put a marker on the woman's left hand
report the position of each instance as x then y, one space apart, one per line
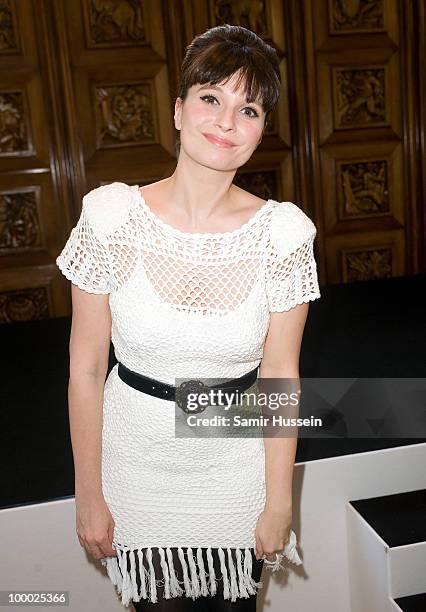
272 532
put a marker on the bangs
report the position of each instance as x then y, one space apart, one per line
221 60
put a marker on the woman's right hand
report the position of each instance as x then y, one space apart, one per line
95 526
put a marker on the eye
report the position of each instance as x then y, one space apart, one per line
208 98
255 113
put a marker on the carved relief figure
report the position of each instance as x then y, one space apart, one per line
13 136
233 11
116 19
361 96
126 114
364 187
357 14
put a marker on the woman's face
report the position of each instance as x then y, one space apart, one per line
219 129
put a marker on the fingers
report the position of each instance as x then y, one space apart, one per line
261 552
95 551
98 547
106 548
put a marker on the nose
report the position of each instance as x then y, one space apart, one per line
225 120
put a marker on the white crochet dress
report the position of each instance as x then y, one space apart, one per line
184 305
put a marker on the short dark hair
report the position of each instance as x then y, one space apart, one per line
214 56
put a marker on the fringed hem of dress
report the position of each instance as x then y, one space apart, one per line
197 581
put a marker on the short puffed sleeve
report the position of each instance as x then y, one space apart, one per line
86 259
291 270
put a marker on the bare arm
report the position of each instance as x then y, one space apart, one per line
281 360
291 282
89 348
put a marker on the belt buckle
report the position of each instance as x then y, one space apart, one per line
184 389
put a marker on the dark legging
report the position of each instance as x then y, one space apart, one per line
204 603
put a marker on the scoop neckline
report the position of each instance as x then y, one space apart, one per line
177 231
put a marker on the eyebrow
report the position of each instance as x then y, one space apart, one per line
218 88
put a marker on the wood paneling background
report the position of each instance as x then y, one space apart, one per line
87 91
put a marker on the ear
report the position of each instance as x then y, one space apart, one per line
178 113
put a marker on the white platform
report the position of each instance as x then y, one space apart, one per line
41 550
380 573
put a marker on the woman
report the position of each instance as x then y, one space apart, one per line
190 277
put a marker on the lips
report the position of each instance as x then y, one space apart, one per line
220 142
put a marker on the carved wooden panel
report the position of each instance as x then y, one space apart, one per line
132 27
9 35
24 137
363 187
367 264
14 124
264 184
29 241
360 97
360 117
268 178
365 256
125 115
31 172
122 100
250 14
354 97
19 221
350 16
121 23
373 23
24 305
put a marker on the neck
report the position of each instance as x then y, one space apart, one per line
198 192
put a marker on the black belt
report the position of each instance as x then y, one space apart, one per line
179 393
